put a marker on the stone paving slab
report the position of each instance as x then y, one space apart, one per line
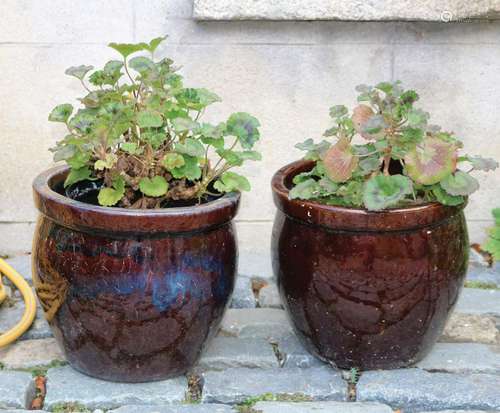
10 316
190 408
484 274
321 407
22 264
463 411
30 353
227 352
269 296
65 385
463 358
416 390
465 328
268 323
234 386
17 389
476 301
243 296
293 354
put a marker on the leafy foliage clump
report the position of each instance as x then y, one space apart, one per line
493 243
139 133
386 154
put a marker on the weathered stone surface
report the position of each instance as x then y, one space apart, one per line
190 408
463 358
237 385
461 411
65 385
22 264
265 323
10 316
293 354
226 352
18 411
269 296
466 328
413 390
433 10
475 301
17 389
321 407
243 296
30 353
483 274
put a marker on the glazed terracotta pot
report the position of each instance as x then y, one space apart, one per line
370 290
132 295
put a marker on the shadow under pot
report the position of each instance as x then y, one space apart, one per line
367 290
132 295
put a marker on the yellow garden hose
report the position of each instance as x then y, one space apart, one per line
29 302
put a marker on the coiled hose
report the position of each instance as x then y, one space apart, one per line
29 302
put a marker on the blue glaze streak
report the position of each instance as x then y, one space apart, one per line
189 280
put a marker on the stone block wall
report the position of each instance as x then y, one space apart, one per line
287 73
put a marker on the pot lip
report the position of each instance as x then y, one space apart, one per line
353 219
80 215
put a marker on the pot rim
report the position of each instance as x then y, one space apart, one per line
82 216
353 219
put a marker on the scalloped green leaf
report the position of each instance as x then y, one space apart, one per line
184 124
173 160
141 64
131 148
61 113
191 147
113 67
126 49
483 164
381 191
417 118
314 150
77 175
460 183
231 181
338 111
340 162
245 127
155 187
78 71
107 163
446 199
153 44
111 196
431 161
190 170
305 189
197 99
149 119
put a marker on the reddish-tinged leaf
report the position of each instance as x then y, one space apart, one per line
360 116
432 161
340 162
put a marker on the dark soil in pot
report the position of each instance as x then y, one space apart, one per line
132 295
370 290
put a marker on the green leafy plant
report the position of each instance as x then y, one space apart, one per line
386 155
139 133
493 244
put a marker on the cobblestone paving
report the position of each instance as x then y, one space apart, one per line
256 364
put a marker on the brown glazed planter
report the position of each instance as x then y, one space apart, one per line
370 290
132 295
